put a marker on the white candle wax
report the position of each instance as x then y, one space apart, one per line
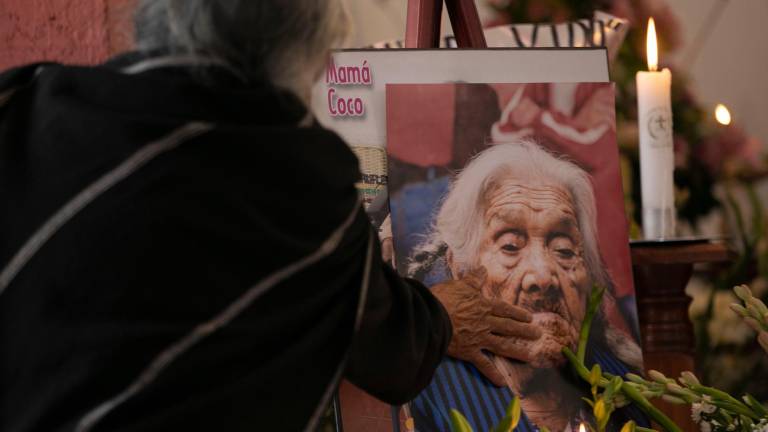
657 159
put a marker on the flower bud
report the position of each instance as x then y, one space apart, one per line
676 389
673 400
743 292
600 410
595 374
620 401
758 306
753 324
634 378
763 339
739 309
659 377
629 427
689 379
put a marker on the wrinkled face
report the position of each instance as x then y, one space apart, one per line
533 249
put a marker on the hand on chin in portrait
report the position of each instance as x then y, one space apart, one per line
482 325
532 248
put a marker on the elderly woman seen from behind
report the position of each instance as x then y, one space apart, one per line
182 247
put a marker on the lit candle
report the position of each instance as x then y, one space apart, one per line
657 158
582 428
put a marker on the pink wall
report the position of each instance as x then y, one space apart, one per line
69 31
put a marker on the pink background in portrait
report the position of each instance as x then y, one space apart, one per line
430 129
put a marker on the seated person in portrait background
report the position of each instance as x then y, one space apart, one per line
531 241
572 116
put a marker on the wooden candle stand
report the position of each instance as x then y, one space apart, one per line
662 272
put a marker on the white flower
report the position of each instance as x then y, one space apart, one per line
706 405
703 407
707 408
696 412
761 427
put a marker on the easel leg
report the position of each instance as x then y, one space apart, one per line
466 23
423 27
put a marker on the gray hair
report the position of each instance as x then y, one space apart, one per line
285 42
459 223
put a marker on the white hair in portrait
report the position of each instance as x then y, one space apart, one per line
458 225
285 42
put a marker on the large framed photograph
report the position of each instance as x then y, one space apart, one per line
521 183
359 79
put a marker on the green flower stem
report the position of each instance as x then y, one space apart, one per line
580 369
723 418
642 429
757 406
736 409
630 392
595 300
725 397
649 409
577 361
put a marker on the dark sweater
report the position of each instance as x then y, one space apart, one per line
177 242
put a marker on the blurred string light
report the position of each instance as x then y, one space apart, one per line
722 115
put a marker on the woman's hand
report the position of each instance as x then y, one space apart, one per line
483 325
599 110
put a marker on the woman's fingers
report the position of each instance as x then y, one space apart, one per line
503 309
510 327
510 348
486 367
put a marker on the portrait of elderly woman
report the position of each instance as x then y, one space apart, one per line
518 221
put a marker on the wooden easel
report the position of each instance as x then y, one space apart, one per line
425 16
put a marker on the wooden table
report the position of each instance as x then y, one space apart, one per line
662 272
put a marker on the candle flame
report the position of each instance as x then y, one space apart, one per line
722 115
582 428
652 47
